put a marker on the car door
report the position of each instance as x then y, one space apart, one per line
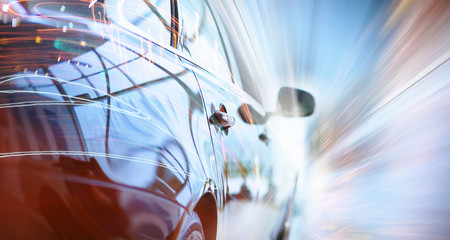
240 153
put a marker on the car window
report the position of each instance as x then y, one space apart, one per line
201 38
67 9
88 64
148 18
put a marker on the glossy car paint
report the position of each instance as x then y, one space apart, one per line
105 133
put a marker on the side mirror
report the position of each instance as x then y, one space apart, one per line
292 102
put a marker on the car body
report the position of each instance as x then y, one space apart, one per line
107 127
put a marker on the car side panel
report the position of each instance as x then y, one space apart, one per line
118 153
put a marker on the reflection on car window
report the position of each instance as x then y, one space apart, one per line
201 38
70 57
68 10
148 18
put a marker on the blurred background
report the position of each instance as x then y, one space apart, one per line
374 158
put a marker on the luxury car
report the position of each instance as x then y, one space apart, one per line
128 119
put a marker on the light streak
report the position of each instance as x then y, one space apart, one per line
100 154
137 113
3 41
197 25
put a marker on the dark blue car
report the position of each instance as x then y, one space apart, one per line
129 119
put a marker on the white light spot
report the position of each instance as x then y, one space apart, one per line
5 7
92 3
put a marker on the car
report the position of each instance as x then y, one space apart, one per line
128 119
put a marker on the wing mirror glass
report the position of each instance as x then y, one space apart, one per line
292 102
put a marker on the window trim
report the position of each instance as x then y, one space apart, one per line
174 23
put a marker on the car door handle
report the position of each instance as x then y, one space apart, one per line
222 120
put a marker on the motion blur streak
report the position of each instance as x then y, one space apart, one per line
377 149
